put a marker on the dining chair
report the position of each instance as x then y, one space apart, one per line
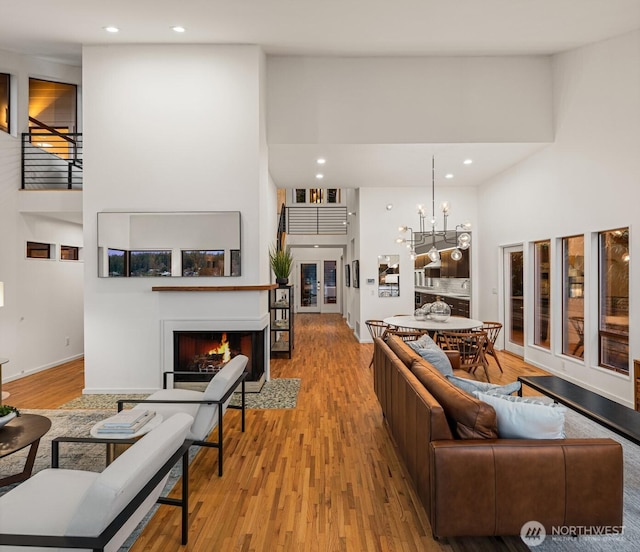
492 329
377 328
578 325
471 346
406 334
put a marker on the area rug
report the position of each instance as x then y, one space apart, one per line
275 393
90 457
577 426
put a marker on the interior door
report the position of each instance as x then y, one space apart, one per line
308 288
513 300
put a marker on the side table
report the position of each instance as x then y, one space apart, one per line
115 449
23 431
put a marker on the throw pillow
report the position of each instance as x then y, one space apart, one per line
525 418
438 359
423 342
470 386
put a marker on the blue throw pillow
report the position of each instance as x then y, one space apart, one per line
472 385
438 359
524 418
423 342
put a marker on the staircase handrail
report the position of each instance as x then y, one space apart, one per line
52 130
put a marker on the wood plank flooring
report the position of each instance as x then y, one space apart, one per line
321 477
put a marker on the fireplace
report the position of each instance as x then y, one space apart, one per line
205 352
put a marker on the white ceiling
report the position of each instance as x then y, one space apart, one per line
57 29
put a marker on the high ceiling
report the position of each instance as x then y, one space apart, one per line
57 29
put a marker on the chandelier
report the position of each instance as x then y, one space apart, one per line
422 236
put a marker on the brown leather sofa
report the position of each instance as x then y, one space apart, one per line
472 483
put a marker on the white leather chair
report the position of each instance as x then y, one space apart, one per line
207 407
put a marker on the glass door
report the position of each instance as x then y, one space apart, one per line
308 287
513 295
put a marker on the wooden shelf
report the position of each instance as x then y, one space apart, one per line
260 287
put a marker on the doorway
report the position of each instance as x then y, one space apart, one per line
317 286
513 299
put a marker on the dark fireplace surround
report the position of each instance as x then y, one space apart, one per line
202 352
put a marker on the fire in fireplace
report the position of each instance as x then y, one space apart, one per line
203 353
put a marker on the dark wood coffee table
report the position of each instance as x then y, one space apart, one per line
19 433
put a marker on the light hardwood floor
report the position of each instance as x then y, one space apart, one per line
323 476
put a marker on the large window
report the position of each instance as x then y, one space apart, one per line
149 263
613 330
542 294
5 81
573 296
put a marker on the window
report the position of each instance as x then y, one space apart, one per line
316 195
69 253
37 250
542 294
613 316
333 195
149 263
203 263
5 81
300 195
330 283
118 263
573 296
52 114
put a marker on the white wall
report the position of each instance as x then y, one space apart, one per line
585 182
185 125
43 300
379 230
409 100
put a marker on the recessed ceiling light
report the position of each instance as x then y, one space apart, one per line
321 161
178 29
468 161
448 175
111 29
319 176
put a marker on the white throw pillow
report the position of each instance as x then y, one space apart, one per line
470 386
525 418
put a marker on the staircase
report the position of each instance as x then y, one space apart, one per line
51 160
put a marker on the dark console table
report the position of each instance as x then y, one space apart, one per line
610 414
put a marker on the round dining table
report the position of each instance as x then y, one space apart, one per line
453 323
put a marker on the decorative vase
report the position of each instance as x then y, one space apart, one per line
440 311
7 418
282 281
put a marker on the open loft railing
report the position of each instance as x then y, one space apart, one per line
316 220
51 158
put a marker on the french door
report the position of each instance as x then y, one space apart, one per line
317 287
513 300
308 286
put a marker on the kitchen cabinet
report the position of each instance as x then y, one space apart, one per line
459 306
454 269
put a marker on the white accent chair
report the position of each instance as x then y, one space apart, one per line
207 407
65 509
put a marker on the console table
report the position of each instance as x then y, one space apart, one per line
610 414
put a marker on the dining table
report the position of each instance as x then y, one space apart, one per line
453 323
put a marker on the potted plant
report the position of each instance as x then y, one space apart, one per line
7 413
281 261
